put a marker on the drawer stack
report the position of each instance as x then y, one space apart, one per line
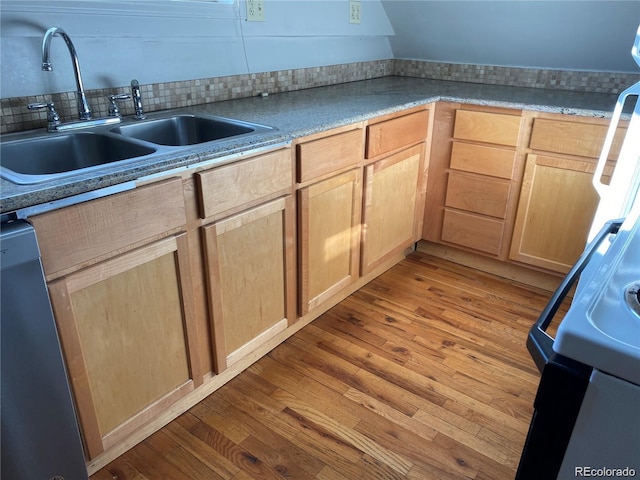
480 175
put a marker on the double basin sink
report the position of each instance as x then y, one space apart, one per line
50 156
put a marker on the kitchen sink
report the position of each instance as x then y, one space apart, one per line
182 130
35 160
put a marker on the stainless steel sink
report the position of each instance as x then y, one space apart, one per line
31 158
35 160
182 130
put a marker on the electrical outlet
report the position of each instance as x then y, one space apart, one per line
255 10
354 11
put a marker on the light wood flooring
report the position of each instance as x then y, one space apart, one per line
422 374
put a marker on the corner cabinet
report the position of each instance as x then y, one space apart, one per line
557 200
249 252
119 281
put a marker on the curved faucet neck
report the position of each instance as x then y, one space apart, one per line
84 111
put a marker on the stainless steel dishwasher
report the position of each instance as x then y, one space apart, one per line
39 439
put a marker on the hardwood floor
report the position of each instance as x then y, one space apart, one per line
422 374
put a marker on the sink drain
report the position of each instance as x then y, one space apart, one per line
632 296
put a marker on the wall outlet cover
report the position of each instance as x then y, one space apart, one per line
255 10
355 11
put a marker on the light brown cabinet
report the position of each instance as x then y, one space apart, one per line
329 205
249 259
164 292
391 214
249 252
558 201
329 214
556 207
394 186
119 281
514 185
481 180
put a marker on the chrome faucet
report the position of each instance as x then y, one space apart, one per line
137 99
84 111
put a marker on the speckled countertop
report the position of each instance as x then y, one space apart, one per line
301 113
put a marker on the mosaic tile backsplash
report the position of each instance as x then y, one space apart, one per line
162 96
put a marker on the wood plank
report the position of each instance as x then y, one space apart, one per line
421 374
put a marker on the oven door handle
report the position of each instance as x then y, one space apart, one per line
539 342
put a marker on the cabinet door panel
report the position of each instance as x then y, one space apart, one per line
126 327
389 215
556 207
250 268
329 230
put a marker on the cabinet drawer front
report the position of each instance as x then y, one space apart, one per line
497 128
583 139
487 196
76 234
496 162
472 231
398 132
329 154
244 182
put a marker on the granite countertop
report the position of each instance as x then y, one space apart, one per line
300 113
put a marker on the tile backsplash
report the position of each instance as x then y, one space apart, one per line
596 82
162 96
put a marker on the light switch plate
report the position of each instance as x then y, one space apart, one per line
354 11
255 10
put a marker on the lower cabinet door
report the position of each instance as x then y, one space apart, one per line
329 237
126 328
555 211
250 260
391 220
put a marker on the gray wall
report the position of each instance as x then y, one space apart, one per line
568 35
161 41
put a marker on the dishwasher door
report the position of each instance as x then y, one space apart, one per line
39 438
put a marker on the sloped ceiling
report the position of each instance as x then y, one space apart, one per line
580 35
